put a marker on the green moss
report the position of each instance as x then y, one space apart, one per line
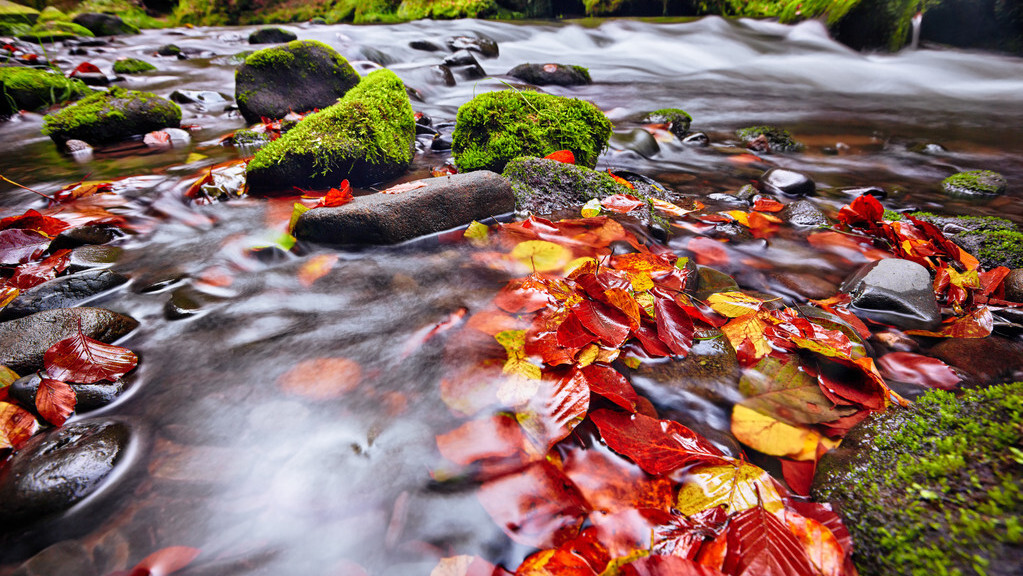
974 183
50 13
779 139
13 13
32 89
891 216
53 31
106 117
1002 247
130 12
446 9
132 66
371 127
542 186
939 490
493 128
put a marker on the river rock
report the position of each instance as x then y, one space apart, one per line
789 182
24 341
804 213
639 141
57 469
272 35
424 45
441 204
465 65
169 50
974 184
94 257
88 396
485 46
90 234
104 24
982 360
495 127
54 31
32 89
132 66
875 191
556 74
1014 285
366 137
678 120
543 186
109 117
768 139
299 76
896 292
710 370
63 292
697 140
993 241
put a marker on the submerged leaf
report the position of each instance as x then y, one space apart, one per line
321 378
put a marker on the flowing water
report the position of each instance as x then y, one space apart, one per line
267 481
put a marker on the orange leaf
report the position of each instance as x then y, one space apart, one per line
17 425
496 437
563 156
322 378
621 180
317 267
55 401
336 196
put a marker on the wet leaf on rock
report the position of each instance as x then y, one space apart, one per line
84 360
55 401
17 425
657 446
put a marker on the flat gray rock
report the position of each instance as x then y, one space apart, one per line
24 341
443 203
63 292
896 292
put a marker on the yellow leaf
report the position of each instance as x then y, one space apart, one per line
514 343
541 256
7 295
578 263
646 302
734 304
669 208
297 211
641 281
7 376
773 437
477 233
968 279
315 268
591 208
194 157
587 355
738 487
749 327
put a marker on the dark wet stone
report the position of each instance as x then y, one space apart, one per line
188 301
441 142
710 370
112 116
24 341
983 360
64 292
896 292
804 213
807 285
551 74
485 46
94 234
198 97
67 558
543 186
424 45
678 121
57 469
639 141
974 184
460 58
93 78
94 257
1014 285
169 50
782 181
104 24
272 35
470 72
465 65
748 193
88 396
874 191
442 204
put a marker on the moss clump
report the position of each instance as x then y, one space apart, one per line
130 11
366 137
891 215
1001 248
51 13
938 488
272 35
678 120
493 128
543 186
132 66
446 9
32 89
975 183
54 30
107 117
778 139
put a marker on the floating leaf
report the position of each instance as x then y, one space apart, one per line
476 233
19 246
671 209
657 446
591 208
787 392
557 407
759 544
55 401
514 343
609 383
977 324
17 425
499 436
85 68
737 486
36 222
762 204
541 256
83 189
321 378
298 210
621 203
674 326
7 295
667 566
35 273
607 322
822 548
84 360
315 268
749 328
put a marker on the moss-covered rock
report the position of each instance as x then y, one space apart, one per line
445 9
12 13
935 489
51 13
493 128
678 120
366 137
105 24
132 66
994 241
108 117
299 76
55 30
556 74
974 184
272 35
768 139
32 89
543 186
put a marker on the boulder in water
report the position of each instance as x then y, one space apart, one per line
24 341
543 186
104 24
974 184
33 89
272 35
768 139
894 291
114 116
678 120
556 74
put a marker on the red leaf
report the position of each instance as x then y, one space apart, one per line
572 333
668 566
759 544
558 406
31 275
157 138
19 246
674 327
798 474
607 382
55 401
762 204
563 156
556 562
84 360
708 252
918 369
538 507
85 68
607 322
863 212
621 203
17 425
653 346
657 446
620 180
167 561
336 196
33 220
496 437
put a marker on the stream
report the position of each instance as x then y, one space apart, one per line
264 480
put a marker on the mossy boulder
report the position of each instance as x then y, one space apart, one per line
51 13
33 89
366 137
994 241
543 186
934 489
12 13
678 120
272 35
299 76
974 184
132 66
445 9
556 74
108 117
105 24
495 127
55 30
768 139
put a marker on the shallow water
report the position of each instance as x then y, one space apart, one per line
269 482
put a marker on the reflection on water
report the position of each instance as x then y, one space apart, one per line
266 479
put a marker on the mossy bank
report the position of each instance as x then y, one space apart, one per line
935 489
366 137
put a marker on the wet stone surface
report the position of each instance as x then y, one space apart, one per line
788 182
896 292
23 341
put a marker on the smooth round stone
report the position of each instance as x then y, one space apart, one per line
895 292
804 213
789 182
974 184
1014 285
58 469
874 191
697 140
639 141
485 46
